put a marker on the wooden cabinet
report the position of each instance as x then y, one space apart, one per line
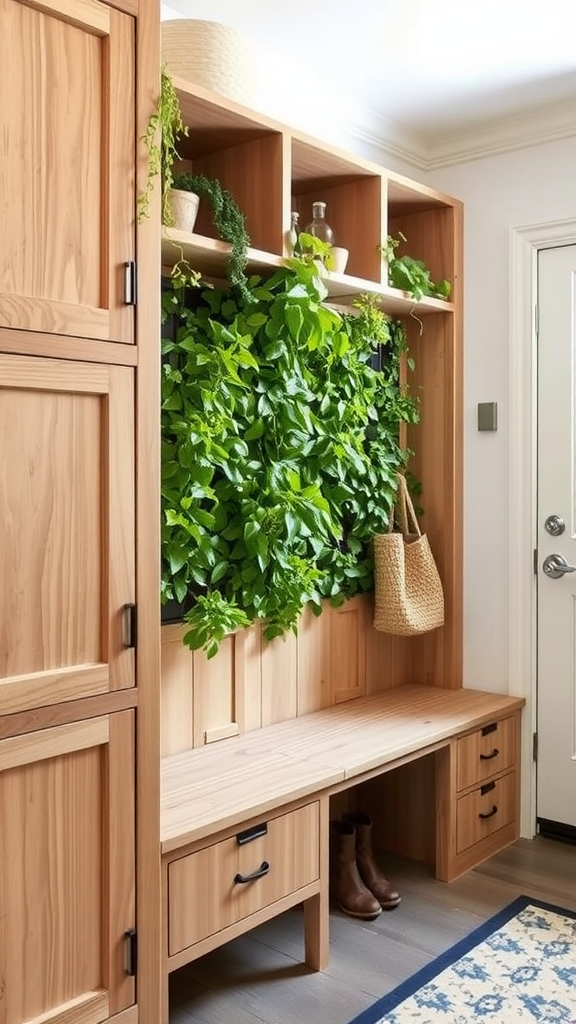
67 174
67 884
478 781
78 482
66 530
487 782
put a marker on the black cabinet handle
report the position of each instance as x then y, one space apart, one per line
488 813
130 952
488 757
259 873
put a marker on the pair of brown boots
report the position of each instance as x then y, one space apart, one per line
356 885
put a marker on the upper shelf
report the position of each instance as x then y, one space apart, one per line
209 256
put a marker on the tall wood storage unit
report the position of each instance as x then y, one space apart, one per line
78 376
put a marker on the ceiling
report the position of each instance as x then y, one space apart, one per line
420 70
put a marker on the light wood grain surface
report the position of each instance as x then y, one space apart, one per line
218 786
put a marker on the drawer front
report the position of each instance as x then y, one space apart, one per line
203 896
486 752
485 810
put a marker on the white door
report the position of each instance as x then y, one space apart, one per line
556 511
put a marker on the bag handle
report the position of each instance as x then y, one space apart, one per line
404 510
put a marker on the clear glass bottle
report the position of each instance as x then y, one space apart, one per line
318 225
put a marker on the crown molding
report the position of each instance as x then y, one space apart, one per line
504 135
384 137
430 151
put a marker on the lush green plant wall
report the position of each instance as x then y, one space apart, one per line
280 449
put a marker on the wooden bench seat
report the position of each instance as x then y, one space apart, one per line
245 820
211 788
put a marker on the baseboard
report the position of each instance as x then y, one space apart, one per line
557 830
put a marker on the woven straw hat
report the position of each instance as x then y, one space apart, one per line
213 55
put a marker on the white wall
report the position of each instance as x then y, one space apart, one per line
529 186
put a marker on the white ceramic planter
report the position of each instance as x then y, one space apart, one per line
184 206
339 259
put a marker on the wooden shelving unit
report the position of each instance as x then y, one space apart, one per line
209 257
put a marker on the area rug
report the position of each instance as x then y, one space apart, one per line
518 966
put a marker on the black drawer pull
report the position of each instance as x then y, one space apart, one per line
259 873
489 728
488 814
488 757
487 787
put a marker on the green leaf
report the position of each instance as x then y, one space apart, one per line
218 572
295 320
255 431
177 557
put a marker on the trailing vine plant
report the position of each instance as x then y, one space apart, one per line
280 449
411 275
228 220
163 132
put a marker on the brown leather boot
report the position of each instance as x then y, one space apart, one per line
379 886
346 887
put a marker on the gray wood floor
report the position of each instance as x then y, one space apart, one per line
260 976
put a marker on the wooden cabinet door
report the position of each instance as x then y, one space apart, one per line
67 176
67 879
67 546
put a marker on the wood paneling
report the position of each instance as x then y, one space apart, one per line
348 628
279 679
252 683
67 113
314 682
335 657
177 668
252 172
213 691
437 656
402 805
355 212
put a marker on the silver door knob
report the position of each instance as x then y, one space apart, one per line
555 566
554 525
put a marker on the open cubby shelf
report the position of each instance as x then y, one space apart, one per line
271 170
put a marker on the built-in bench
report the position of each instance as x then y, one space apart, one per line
244 822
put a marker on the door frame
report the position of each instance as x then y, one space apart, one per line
525 242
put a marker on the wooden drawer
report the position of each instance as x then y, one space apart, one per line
486 752
485 810
204 895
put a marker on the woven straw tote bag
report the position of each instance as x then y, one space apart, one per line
408 597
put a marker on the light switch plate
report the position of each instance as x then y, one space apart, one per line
487 416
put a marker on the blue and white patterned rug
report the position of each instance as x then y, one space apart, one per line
518 966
